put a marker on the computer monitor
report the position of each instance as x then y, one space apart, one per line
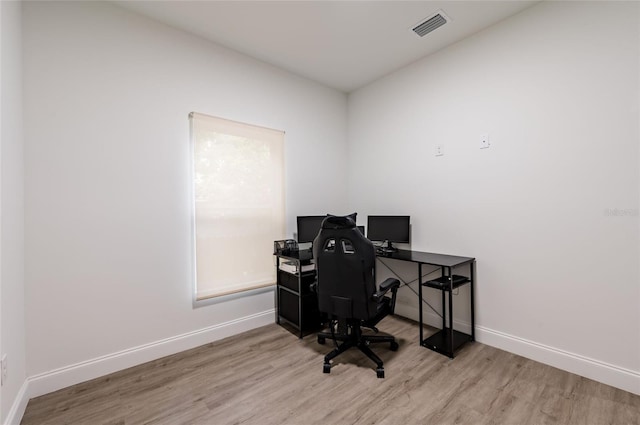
361 228
308 227
388 229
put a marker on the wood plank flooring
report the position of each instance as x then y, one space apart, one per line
269 376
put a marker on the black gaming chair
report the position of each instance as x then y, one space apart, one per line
346 288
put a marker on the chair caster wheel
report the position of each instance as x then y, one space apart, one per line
394 346
380 372
321 340
326 368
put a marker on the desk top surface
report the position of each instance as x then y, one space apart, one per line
402 255
427 258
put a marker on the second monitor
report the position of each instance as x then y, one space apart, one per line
388 229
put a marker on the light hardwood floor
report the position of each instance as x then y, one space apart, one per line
269 376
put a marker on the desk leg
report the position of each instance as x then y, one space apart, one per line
450 286
420 301
277 295
444 311
472 266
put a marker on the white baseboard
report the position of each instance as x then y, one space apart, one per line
54 380
615 376
57 379
19 406
47 382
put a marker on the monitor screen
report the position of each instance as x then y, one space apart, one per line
391 228
308 227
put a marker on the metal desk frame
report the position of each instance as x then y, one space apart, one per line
447 340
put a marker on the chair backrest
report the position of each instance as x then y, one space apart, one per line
345 266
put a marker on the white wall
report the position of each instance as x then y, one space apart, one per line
106 98
108 262
12 329
558 277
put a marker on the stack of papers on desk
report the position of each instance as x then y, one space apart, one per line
292 267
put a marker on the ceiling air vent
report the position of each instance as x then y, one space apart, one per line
430 24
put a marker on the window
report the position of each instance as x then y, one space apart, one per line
238 182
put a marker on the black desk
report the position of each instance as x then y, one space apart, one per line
447 340
297 304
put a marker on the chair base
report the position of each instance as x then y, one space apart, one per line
355 339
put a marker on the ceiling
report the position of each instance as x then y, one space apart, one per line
341 44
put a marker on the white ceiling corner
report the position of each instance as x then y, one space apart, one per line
341 44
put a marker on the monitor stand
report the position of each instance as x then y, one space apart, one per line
388 248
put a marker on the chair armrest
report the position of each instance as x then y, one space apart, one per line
389 284
314 286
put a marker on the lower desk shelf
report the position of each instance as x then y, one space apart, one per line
296 304
301 311
440 342
447 340
443 283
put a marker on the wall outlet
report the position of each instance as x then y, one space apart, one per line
484 141
4 369
439 150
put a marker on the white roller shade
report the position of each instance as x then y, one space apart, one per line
238 172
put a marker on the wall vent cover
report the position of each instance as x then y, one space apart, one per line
430 24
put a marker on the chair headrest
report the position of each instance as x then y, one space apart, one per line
339 222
